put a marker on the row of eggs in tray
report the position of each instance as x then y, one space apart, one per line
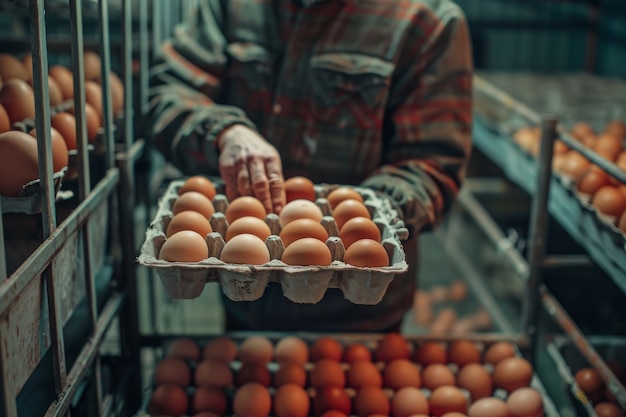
306 232
293 378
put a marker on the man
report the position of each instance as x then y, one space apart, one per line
369 92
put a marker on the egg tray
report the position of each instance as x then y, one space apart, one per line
568 361
29 200
369 340
300 284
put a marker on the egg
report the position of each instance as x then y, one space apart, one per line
339 194
92 65
245 248
327 372
64 78
60 157
194 201
349 209
475 378
437 375
401 373
581 129
592 180
447 399
253 372
463 352
609 145
244 206
198 183
488 407
307 251
168 400
359 228
429 352
498 351
92 120
117 93
609 201
525 402
27 61
213 373
366 253
257 349
209 399
252 400
290 373
222 348
206 414
248 224
392 346
361 373
622 222
443 322
93 96
55 96
608 409
184 348
18 162
356 351
65 123
512 373
331 398
18 100
590 382
5 123
574 165
334 413
291 400
297 188
184 246
371 400
12 68
301 228
189 220
299 209
172 370
408 402
326 347
291 349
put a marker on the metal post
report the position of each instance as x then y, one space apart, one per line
105 70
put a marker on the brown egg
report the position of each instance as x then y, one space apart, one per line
291 400
361 373
64 78
616 127
408 402
93 122
476 380
297 188
349 209
622 221
609 145
18 162
592 180
12 68
359 228
560 147
117 92
463 352
93 96
168 400
574 165
60 157
528 138
27 61
65 123
443 322
258 349
189 220
591 383
253 372
327 372
326 348
339 194
206 414
244 206
331 398
301 228
291 349
248 224
525 402
222 348
5 123
213 373
290 373
610 201
582 129
512 373
366 253
401 373
184 348
252 400
608 409
447 399
209 399
392 346
428 353
184 246
371 400
437 375
245 248
499 351
488 407
172 370
307 251
356 351
200 184
299 209
92 65
195 201
18 100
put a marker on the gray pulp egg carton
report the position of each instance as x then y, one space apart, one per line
29 201
301 284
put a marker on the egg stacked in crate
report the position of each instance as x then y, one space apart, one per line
341 375
324 237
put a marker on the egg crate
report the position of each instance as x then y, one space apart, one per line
370 341
29 200
569 360
301 284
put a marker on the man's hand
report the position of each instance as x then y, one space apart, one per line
249 165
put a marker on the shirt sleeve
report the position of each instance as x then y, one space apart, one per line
428 122
183 119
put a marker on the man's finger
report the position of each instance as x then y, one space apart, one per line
260 187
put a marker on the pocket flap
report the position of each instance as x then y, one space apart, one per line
248 52
353 64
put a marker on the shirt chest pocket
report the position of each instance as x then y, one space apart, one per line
349 89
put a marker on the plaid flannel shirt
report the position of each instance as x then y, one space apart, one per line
369 92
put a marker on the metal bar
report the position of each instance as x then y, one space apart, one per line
56 331
586 349
105 70
40 258
566 261
539 219
144 56
87 355
3 261
157 28
8 390
127 62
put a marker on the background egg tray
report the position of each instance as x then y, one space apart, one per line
370 341
301 284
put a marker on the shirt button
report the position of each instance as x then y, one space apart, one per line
277 108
